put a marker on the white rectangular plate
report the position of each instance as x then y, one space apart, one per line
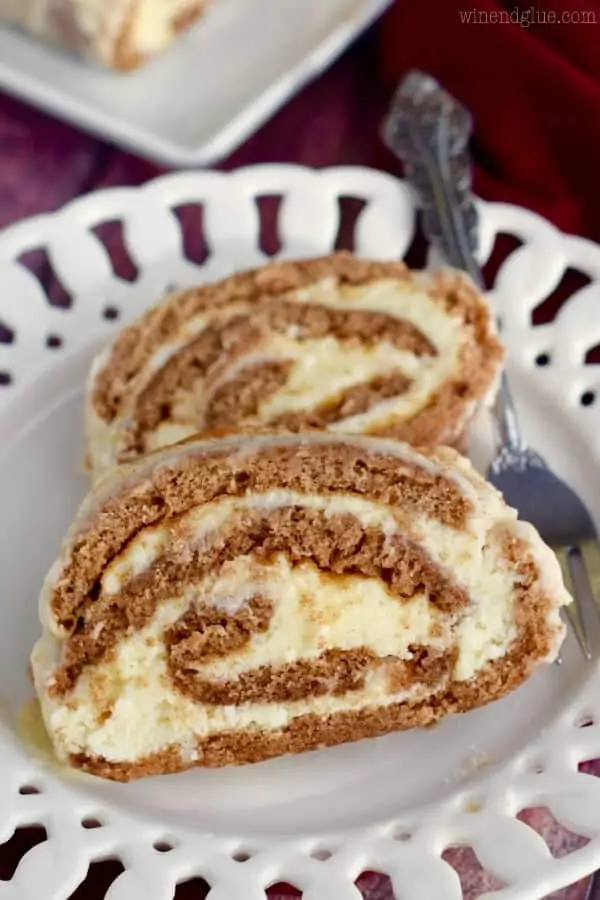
215 86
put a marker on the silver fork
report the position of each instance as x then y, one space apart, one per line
429 131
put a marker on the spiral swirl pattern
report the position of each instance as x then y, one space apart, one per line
335 343
224 601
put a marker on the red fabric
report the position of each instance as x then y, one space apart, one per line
532 85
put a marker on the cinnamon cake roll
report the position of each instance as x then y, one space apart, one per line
121 34
226 601
336 343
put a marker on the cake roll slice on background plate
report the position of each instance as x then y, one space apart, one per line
222 602
337 343
120 34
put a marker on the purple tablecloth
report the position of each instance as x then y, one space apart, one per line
44 163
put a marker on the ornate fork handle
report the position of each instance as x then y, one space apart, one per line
429 131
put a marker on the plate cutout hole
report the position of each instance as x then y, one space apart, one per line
543 359
242 856
39 264
193 889
584 721
474 879
7 335
592 357
349 210
13 851
321 854
193 238
5 379
401 833
111 313
375 884
98 880
590 767
559 840
282 890
505 245
269 206
572 281
54 341
90 823
416 255
163 846
111 235
26 789
587 398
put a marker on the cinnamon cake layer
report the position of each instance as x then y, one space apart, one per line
121 34
225 601
336 343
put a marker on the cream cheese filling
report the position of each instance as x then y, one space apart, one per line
444 461
154 24
148 715
471 556
321 367
312 612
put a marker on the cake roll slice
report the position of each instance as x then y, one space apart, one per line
226 601
121 34
337 343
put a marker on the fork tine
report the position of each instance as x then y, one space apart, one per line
562 555
572 611
590 552
572 614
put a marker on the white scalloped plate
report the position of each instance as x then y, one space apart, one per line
316 821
